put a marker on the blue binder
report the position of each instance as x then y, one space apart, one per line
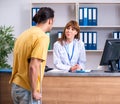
85 19
90 41
37 9
85 40
81 16
60 34
94 40
81 36
94 16
115 35
90 16
34 11
33 14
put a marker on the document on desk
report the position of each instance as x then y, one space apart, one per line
62 71
83 71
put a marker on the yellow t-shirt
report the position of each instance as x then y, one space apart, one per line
31 43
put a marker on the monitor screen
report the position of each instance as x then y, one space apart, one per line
111 54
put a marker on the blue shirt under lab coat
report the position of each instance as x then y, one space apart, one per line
61 59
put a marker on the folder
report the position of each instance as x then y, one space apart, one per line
86 40
81 36
94 16
59 34
115 35
85 19
89 16
94 40
90 41
81 16
48 33
33 14
34 11
37 9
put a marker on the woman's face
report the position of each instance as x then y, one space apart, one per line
70 33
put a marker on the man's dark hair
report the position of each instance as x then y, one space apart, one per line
43 15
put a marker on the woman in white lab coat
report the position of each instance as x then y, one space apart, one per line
69 51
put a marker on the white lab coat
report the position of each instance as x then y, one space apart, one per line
60 56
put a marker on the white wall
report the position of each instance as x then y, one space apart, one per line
15 13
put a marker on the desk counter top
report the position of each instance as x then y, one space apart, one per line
92 73
67 74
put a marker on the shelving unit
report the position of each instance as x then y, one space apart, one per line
108 22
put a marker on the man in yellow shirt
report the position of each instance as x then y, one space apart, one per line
30 53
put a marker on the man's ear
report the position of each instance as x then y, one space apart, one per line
50 21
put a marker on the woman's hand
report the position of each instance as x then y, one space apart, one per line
75 67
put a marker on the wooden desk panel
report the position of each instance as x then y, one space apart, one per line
5 89
71 90
81 90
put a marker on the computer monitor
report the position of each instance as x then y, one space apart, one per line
111 55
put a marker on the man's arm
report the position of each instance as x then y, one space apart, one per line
34 68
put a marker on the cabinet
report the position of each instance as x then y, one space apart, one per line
81 90
107 22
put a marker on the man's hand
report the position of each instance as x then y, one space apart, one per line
36 95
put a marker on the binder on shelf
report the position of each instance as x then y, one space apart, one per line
59 34
85 18
115 35
85 40
89 16
94 16
33 14
81 36
34 11
37 9
90 41
48 33
81 16
94 40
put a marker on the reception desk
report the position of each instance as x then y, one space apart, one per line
96 87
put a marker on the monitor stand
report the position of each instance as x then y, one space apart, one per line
112 67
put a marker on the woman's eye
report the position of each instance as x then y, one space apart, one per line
72 29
